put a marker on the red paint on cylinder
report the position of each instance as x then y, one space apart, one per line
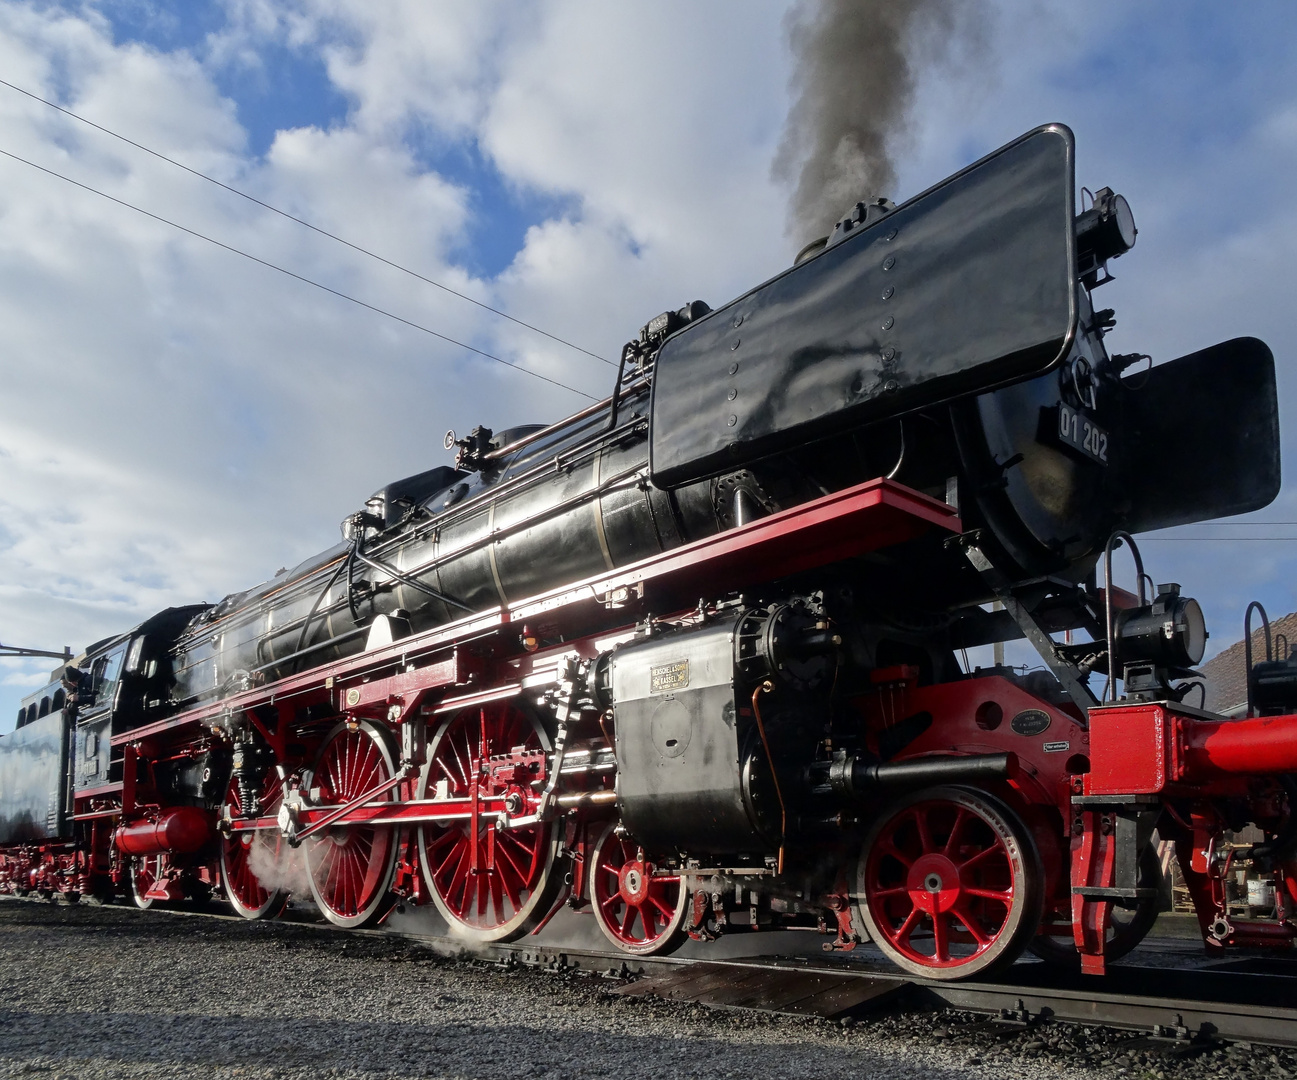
177 831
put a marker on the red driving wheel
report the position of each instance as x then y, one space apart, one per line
248 856
637 912
488 883
145 870
351 866
949 883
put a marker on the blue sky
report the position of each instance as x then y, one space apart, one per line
280 85
274 86
180 423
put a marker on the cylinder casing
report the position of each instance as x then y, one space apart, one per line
179 831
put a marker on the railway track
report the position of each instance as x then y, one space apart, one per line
1169 1004
1157 994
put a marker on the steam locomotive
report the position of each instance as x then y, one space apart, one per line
689 660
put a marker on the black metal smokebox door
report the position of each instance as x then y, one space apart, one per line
969 286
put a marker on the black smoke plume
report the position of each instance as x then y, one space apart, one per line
853 84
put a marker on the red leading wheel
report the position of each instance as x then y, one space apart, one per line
249 857
637 912
949 883
1127 927
351 866
488 883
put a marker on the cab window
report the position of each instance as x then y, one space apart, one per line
134 657
104 674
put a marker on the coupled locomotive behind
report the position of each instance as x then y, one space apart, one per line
688 660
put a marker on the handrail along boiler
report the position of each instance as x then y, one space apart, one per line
687 661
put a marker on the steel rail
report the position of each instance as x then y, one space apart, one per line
1216 1013
1206 1016
1092 1001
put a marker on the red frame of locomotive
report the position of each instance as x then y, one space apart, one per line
1079 793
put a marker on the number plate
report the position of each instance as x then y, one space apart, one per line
1078 431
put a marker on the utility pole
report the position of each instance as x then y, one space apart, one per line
18 650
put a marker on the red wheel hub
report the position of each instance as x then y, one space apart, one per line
633 881
933 884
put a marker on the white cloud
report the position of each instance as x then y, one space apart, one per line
403 61
178 422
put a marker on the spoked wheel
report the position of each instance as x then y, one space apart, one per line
488 883
1127 927
637 912
351 866
949 884
249 858
145 870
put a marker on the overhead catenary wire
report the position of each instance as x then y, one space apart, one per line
298 277
1183 538
306 224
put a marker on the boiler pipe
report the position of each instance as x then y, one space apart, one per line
920 772
1260 746
586 413
852 778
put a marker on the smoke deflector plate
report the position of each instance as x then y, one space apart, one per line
1203 437
968 286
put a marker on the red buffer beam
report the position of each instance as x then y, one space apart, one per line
1143 749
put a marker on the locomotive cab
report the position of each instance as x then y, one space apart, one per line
96 693
115 686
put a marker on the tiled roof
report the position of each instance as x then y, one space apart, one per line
1226 679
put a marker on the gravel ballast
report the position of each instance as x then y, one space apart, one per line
89 991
